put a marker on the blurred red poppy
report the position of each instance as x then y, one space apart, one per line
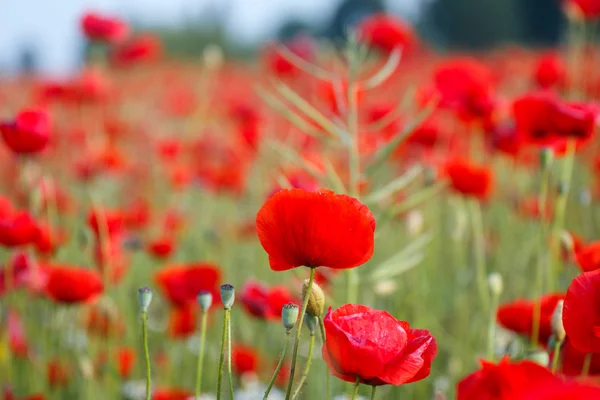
182 283
244 359
161 247
299 228
387 32
550 71
171 394
469 178
572 361
588 256
18 229
302 46
106 222
70 285
581 318
17 340
587 9
263 302
28 133
562 390
58 373
373 345
141 49
125 361
517 316
103 28
503 381
182 321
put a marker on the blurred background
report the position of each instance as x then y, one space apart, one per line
44 35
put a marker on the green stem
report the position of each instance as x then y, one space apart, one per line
222 356
586 365
479 253
230 375
146 354
556 357
298 332
492 327
356 385
539 279
322 328
201 353
306 368
279 364
373 390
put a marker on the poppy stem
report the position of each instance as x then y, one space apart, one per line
587 362
479 252
373 390
306 368
322 328
222 356
356 385
279 364
298 332
556 357
492 326
230 375
201 353
146 353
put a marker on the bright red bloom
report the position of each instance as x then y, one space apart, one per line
470 179
144 48
126 361
171 394
588 256
182 321
466 87
562 390
386 32
550 71
517 316
18 229
161 247
581 312
244 359
106 222
182 283
572 361
103 28
70 285
28 133
542 117
503 381
264 303
376 347
299 228
587 9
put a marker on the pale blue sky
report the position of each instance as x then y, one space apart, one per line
51 27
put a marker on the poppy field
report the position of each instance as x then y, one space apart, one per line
371 219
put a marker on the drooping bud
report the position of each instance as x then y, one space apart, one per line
227 295
289 315
204 299
558 330
311 323
316 299
144 298
495 283
546 157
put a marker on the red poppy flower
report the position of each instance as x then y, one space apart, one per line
581 316
503 381
301 46
126 361
587 9
386 32
182 283
69 285
300 228
572 360
103 28
144 48
517 316
161 247
466 87
28 133
244 359
376 347
171 394
106 222
550 71
562 390
588 256
182 321
264 303
470 179
18 229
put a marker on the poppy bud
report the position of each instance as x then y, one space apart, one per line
316 299
311 323
144 298
558 330
289 315
204 299
539 357
227 295
546 158
495 283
